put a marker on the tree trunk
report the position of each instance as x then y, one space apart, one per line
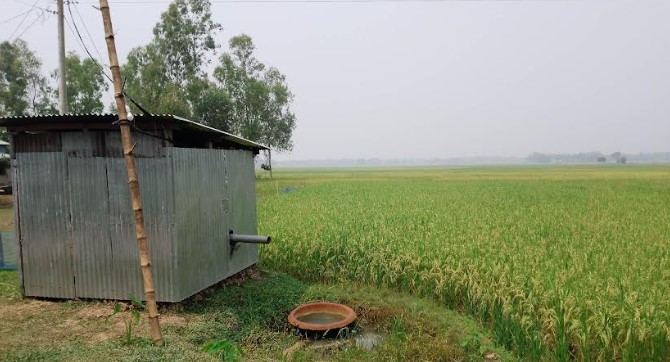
133 183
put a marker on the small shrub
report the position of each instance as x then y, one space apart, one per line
133 317
224 349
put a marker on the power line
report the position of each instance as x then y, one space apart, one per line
23 20
83 44
34 6
97 51
15 16
41 17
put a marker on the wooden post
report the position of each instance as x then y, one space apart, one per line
126 139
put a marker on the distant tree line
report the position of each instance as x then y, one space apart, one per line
171 75
582 157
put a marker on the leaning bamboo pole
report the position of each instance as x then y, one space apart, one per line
133 183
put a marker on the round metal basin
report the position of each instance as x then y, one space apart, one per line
321 318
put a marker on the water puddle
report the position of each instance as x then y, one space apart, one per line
368 340
320 318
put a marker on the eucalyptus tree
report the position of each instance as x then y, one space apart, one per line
259 96
24 90
166 74
85 83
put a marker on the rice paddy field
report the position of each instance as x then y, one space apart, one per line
561 262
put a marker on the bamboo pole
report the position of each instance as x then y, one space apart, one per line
133 183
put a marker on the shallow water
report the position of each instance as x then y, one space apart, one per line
368 340
320 318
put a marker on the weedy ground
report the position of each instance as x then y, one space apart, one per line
249 319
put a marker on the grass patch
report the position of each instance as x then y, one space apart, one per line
250 317
9 286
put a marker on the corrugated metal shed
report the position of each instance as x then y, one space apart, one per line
74 222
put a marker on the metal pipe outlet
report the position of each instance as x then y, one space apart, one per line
248 239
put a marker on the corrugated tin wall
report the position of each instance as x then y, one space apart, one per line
156 182
241 178
46 245
77 229
106 260
87 144
38 142
215 202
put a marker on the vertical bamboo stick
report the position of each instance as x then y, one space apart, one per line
133 183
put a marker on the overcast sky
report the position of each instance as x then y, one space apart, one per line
435 79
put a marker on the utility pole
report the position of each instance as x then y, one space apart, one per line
133 183
62 89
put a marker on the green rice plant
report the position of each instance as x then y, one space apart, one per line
568 262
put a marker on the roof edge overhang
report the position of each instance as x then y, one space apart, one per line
81 120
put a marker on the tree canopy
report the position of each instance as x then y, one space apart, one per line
242 96
23 88
85 84
172 74
259 96
168 75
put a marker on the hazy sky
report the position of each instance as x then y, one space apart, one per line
436 79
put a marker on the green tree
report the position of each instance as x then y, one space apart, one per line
23 88
278 120
147 82
213 105
169 74
259 96
184 36
85 84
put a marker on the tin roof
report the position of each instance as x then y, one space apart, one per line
86 120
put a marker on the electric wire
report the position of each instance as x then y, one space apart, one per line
42 17
102 69
35 6
24 19
97 51
82 43
15 16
